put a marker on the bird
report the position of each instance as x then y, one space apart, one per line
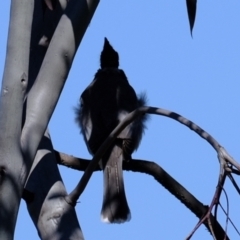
103 105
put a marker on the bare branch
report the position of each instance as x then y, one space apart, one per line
160 175
223 156
229 219
227 216
53 73
45 198
215 202
73 162
44 24
234 183
74 195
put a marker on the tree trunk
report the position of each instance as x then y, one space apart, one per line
26 108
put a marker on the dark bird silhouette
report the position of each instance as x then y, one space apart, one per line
103 104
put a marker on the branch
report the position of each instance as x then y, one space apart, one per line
45 197
222 154
161 176
45 194
53 73
44 25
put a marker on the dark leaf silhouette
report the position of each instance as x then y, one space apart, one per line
191 8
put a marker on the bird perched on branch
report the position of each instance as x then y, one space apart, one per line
103 104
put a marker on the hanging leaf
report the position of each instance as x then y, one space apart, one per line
191 8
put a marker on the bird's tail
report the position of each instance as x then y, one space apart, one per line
115 207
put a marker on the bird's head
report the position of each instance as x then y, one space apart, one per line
109 57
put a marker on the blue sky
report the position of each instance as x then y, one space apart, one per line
196 77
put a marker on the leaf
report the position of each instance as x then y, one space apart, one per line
191 8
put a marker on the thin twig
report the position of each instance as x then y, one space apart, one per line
229 219
227 216
215 201
234 183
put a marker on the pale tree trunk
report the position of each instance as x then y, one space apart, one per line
23 125
13 169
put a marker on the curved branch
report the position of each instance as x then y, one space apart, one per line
222 154
161 176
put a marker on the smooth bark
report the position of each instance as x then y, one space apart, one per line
53 73
18 146
44 195
14 84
